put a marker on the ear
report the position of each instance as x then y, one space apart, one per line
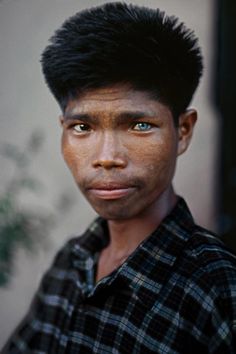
187 121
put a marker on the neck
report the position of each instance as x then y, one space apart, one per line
126 235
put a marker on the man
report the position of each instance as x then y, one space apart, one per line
143 278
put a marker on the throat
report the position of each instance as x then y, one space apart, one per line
107 263
126 235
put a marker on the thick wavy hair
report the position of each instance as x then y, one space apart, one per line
119 43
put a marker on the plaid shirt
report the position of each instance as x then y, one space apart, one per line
175 294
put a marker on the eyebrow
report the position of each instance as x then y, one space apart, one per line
121 117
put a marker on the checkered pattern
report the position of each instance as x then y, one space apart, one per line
175 294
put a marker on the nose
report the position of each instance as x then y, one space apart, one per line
109 152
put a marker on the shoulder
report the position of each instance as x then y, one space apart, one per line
202 259
78 247
209 255
63 257
209 269
59 275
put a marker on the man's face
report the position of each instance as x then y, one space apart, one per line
121 147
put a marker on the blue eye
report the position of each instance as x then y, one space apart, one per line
142 126
81 127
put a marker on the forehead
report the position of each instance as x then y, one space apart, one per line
115 99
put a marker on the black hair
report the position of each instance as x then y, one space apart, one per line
124 43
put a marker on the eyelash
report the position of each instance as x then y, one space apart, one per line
142 123
85 127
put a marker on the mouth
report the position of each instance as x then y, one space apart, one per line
111 191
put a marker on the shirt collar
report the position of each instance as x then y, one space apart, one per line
151 265
147 269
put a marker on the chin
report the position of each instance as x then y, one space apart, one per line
113 213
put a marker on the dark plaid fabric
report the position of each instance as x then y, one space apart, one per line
175 294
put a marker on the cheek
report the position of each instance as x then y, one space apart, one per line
69 157
72 153
152 153
156 161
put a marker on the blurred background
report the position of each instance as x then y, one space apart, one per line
40 206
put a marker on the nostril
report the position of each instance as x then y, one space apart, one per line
109 163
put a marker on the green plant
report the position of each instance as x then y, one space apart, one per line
20 226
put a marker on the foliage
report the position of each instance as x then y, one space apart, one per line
20 226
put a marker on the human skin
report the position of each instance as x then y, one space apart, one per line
121 146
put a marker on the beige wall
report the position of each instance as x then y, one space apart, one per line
27 106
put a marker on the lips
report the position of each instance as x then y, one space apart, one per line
111 190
